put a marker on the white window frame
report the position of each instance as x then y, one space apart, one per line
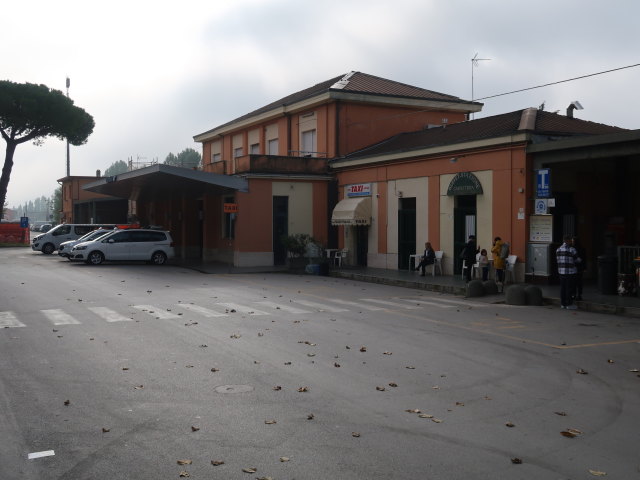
309 147
237 152
272 147
216 157
254 149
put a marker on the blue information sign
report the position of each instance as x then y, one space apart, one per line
24 222
543 183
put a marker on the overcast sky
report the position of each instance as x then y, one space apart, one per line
155 73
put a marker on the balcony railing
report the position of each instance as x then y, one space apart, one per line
280 164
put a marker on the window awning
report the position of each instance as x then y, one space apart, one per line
352 211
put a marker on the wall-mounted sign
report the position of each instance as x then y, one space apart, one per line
230 208
541 228
359 190
541 206
465 183
543 183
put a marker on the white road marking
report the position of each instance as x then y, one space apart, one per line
9 320
156 312
424 302
356 304
391 304
242 309
46 453
283 307
321 307
109 315
206 312
60 317
462 303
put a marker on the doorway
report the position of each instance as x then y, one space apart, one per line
406 231
280 228
464 224
362 245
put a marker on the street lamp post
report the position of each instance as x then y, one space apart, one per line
68 159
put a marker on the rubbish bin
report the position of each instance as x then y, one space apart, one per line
607 274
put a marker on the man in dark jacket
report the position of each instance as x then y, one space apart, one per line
469 256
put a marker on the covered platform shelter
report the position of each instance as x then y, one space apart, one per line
189 203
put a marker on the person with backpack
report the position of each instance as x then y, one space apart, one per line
499 261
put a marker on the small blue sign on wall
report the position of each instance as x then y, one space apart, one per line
543 183
24 222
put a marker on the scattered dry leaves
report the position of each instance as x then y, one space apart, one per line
510 424
582 372
363 349
516 460
194 428
250 470
303 389
270 422
277 388
355 434
184 462
597 473
217 463
380 389
393 384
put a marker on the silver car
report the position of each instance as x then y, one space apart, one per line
64 250
154 246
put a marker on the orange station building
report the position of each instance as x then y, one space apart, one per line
378 167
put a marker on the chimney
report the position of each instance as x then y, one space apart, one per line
575 105
528 119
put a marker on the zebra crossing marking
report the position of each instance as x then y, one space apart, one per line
60 317
322 307
205 312
242 309
9 320
156 312
424 302
391 304
109 315
461 303
357 305
283 307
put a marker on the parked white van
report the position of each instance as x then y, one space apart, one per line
48 242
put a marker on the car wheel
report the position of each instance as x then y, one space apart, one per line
95 258
158 258
48 248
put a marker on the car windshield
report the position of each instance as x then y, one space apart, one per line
96 234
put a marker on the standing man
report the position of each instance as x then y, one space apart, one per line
567 258
469 256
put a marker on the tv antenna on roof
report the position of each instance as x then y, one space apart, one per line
474 63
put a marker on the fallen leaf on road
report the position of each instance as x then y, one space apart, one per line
562 414
203 346
337 365
125 368
380 389
634 370
303 389
105 430
509 424
393 384
425 415
570 433
217 463
387 353
410 368
436 387
363 349
311 354
284 459
188 366
413 410
194 429
355 434
250 470
516 460
610 361
436 420
277 388
287 363
214 370
184 474
597 473
67 402
270 422
582 372
460 404
235 335
311 416
184 462
138 387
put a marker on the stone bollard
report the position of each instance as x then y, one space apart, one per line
490 287
533 295
515 295
475 288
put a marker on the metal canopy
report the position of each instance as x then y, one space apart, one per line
158 180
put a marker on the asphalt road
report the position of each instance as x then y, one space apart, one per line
121 371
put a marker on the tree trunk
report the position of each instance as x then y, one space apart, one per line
6 174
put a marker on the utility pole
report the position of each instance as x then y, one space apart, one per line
68 159
474 63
